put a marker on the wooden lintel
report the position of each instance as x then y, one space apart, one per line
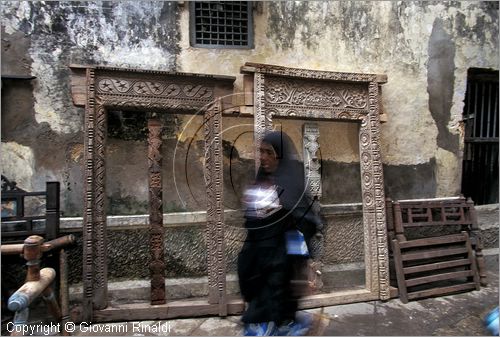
381 78
248 69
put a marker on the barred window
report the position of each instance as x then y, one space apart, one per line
221 24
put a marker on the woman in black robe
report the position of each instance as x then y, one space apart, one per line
276 204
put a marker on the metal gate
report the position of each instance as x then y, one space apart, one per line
480 162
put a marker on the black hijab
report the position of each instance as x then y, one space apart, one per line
289 176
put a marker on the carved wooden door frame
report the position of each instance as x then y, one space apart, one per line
100 89
324 95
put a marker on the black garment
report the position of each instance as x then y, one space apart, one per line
264 268
289 176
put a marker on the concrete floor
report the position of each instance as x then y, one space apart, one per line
454 315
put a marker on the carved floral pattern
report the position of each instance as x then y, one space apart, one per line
154 88
303 93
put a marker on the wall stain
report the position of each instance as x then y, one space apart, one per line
440 84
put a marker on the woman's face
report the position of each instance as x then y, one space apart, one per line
268 159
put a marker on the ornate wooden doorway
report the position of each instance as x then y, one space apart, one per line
323 95
100 89
276 91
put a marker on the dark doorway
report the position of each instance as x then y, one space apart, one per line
480 163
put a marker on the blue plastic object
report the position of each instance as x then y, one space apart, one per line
260 329
491 321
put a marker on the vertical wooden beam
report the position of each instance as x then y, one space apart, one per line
478 244
157 232
52 210
100 234
216 258
64 291
378 193
398 261
398 222
389 220
88 212
262 120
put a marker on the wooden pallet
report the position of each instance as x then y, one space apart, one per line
435 266
421 218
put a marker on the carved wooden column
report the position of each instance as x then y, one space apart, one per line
100 235
312 183
88 228
372 187
262 120
215 215
157 262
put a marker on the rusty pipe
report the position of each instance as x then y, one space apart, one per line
61 242
32 253
30 290
18 248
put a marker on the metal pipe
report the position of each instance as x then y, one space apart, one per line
18 248
12 249
30 290
59 242
32 254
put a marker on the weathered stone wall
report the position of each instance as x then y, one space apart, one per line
425 48
185 246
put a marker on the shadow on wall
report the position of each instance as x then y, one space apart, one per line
410 181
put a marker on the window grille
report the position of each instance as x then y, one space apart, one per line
480 161
221 24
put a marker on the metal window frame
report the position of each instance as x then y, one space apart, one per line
192 29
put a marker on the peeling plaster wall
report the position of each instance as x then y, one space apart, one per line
43 39
422 141
425 48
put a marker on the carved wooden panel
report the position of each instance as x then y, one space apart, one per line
311 94
292 97
156 230
135 91
312 163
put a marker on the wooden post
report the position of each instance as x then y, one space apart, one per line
157 232
216 251
398 222
477 243
52 210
